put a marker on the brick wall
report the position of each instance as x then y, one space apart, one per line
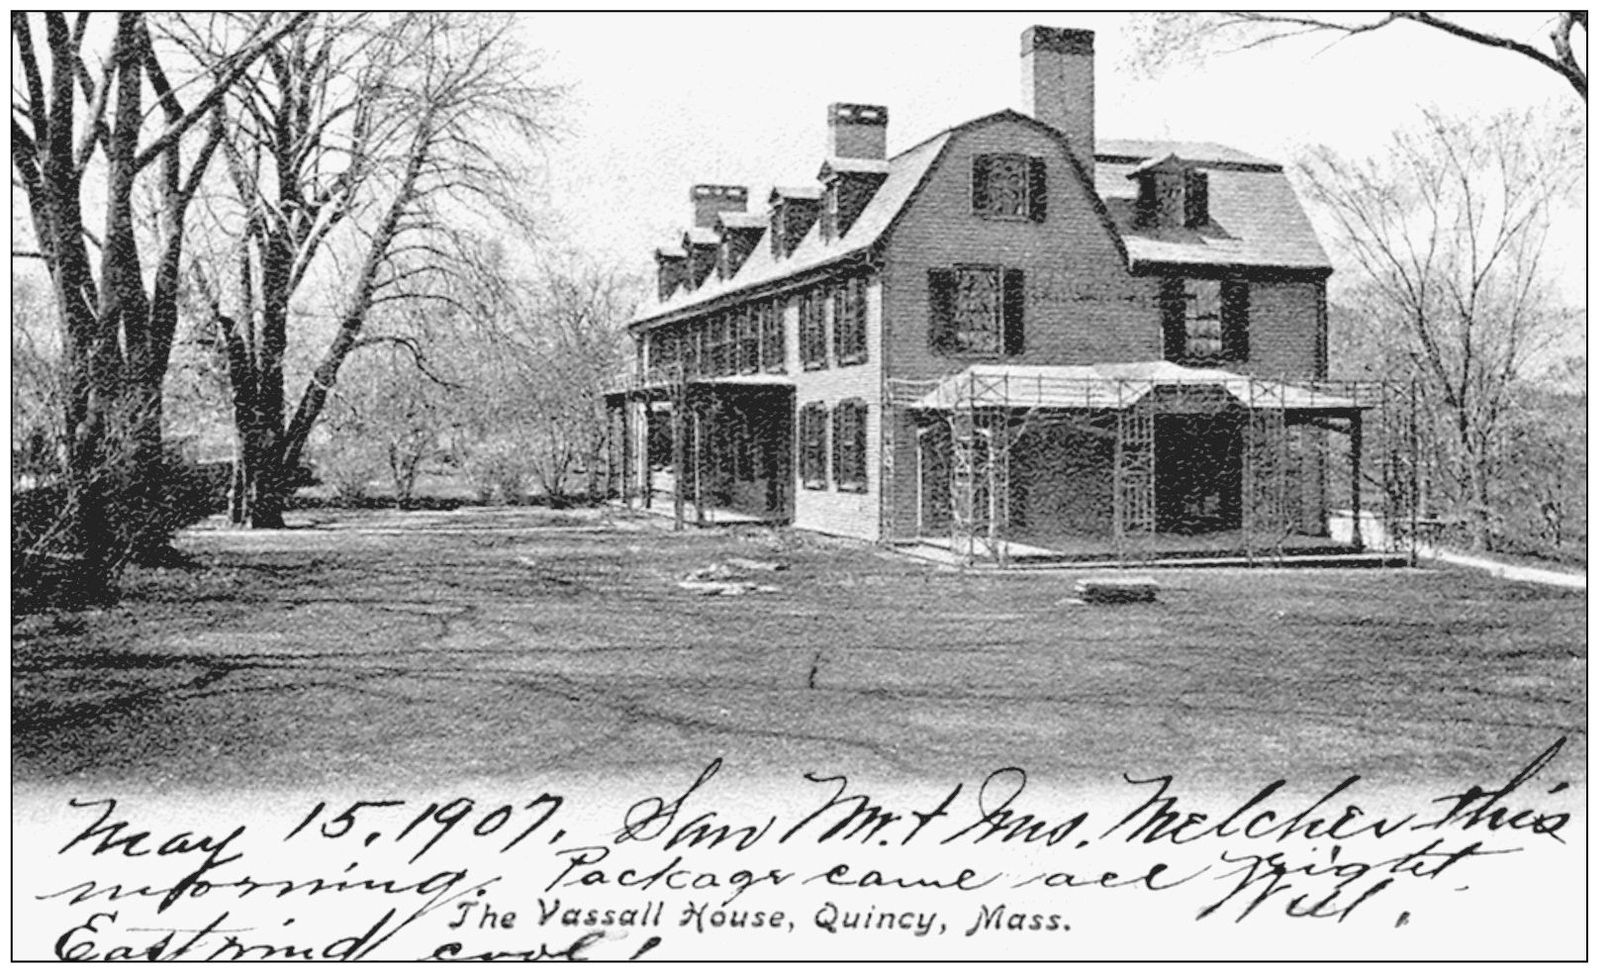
1284 330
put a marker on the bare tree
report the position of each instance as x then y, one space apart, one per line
1445 237
359 154
36 407
1166 38
553 342
82 138
386 416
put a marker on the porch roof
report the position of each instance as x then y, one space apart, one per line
1119 385
760 379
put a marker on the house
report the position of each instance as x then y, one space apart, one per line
1011 338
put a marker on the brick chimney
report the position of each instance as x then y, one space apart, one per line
709 201
857 131
1059 85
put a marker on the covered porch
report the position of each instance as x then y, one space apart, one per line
1138 462
705 451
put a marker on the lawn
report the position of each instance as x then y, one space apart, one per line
498 644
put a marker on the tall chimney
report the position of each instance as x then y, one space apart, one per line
711 201
1059 85
857 131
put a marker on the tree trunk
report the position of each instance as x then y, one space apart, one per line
261 489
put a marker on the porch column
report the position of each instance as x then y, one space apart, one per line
628 449
678 466
644 473
1355 451
698 465
616 442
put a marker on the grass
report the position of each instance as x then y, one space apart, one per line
424 647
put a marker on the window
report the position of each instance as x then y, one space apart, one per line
688 338
1009 187
771 335
813 446
662 349
849 445
1204 337
706 331
1204 321
849 321
748 338
721 352
976 311
813 329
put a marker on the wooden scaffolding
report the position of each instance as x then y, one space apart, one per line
1285 448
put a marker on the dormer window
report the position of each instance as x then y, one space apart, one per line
1009 186
848 186
1170 192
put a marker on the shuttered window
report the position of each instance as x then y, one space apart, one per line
1205 321
849 445
813 446
976 311
849 321
1009 186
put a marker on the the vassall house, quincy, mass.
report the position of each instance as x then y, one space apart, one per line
1010 330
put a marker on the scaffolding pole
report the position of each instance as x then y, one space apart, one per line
1135 477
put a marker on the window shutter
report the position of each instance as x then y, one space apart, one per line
1146 201
841 466
1173 299
823 444
980 183
1196 198
804 449
1037 189
841 321
1235 301
830 324
858 441
1012 311
941 305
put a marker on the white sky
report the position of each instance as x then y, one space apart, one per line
663 101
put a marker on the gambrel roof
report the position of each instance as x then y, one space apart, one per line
1257 221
